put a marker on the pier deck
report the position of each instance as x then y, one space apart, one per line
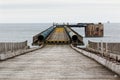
58 36
54 62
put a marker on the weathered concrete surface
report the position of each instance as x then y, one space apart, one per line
11 54
54 62
105 62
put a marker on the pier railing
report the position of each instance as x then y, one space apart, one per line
12 46
111 50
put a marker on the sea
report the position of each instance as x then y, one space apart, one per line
18 32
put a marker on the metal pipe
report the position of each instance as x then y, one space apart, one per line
39 38
75 37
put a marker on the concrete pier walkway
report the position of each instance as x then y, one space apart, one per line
54 62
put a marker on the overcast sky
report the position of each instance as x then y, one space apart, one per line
44 11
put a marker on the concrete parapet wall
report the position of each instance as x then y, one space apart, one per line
10 54
105 46
108 64
12 46
12 49
107 49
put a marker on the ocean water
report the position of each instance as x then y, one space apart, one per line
19 32
10 32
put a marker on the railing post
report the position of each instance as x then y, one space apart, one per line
106 48
98 46
5 47
12 47
26 43
102 48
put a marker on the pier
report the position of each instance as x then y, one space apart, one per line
58 36
57 58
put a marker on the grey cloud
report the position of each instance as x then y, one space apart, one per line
54 6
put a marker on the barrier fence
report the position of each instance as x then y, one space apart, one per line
12 46
105 48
